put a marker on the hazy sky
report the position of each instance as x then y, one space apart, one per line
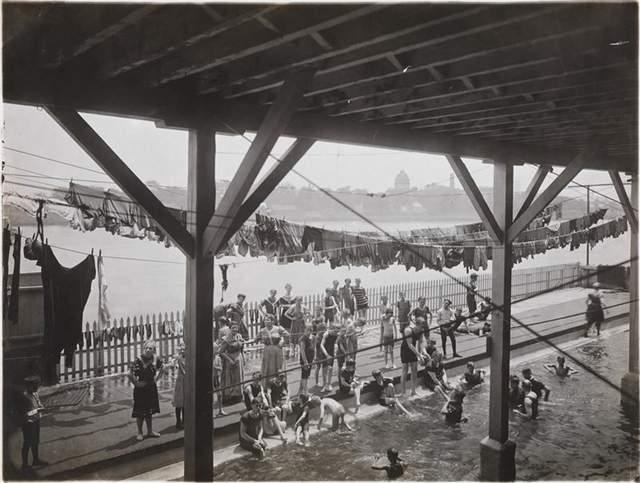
161 155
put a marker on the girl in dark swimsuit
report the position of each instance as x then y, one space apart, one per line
284 303
595 313
409 356
327 346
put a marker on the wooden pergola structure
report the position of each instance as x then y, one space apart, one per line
550 84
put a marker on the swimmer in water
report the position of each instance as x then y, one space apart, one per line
336 409
537 386
471 377
560 370
530 399
395 468
452 409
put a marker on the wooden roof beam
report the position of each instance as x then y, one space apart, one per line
426 38
629 211
161 42
270 130
91 142
239 45
525 218
321 41
476 198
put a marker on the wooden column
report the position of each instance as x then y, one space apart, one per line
497 452
198 333
630 379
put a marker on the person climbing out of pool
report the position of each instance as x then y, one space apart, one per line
452 408
537 386
395 468
384 391
251 430
278 396
435 374
301 426
271 424
336 409
471 377
560 370
349 383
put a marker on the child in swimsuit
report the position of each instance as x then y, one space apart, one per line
336 409
302 423
560 370
349 383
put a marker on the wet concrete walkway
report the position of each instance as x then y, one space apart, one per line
98 427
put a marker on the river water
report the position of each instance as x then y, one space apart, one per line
143 287
581 434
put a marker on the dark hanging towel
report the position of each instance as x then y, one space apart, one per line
66 291
6 247
225 281
14 300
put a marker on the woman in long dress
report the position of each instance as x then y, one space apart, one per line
595 312
180 365
232 365
144 374
296 314
272 336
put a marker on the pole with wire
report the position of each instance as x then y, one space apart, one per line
588 213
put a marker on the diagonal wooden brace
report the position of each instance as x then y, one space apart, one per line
110 162
632 217
270 181
549 194
476 198
271 128
533 188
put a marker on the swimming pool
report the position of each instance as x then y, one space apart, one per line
581 434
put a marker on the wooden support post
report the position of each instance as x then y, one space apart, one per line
198 334
110 162
631 214
630 381
270 130
497 452
549 194
476 198
270 181
534 187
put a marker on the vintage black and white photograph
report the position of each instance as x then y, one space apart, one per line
320 241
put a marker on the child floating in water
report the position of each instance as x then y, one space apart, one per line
336 409
560 370
395 468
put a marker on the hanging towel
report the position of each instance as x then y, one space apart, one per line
104 315
14 299
66 291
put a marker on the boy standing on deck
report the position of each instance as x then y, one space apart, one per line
31 422
404 308
389 335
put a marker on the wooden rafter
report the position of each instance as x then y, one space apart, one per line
549 194
199 58
477 200
629 211
268 183
159 43
270 130
533 188
91 142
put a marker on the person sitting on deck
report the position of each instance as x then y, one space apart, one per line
272 425
349 383
560 370
537 386
336 409
278 396
251 430
395 468
471 377
485 309
253 390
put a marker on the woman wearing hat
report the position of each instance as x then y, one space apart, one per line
595 312
144 374
472 289
272 336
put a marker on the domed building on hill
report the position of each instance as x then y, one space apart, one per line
402 182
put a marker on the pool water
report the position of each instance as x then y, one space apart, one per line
582 434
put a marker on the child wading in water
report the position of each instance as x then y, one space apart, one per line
389 335
395 468
336 409
301 426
